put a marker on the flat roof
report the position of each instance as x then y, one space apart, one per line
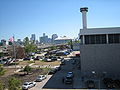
95 31
63 38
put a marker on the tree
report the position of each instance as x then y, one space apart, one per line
27 69
29 47
14 84
53 47
20 52
2 71
26 41
71 44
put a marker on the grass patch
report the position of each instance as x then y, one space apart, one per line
31 61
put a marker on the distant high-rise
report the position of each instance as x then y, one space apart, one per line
43 34
19 42
54 36
44 39
3 42
32 37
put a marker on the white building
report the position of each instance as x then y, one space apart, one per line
100 48
62 40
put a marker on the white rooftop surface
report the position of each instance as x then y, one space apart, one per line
95 31
63 38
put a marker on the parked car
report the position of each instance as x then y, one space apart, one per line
63 62
70 74
109 82
58 68
27 58
54 58
68 80
40 78
53 71
90 84
28 85
36 58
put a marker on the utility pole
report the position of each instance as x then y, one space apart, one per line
14 50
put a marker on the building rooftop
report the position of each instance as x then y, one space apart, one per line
63 38
95 31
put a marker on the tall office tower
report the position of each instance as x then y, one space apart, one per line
54 36
33 37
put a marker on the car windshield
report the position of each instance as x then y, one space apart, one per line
26 84
40 76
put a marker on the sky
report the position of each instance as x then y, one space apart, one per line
22 18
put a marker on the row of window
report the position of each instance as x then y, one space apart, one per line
102 39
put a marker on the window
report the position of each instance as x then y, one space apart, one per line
110 38
95 39
103 39
87 39
92 39
114 38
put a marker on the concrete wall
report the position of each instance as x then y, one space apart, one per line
100 58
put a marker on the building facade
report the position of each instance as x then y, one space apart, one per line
33 37
100 49
44 39
54 36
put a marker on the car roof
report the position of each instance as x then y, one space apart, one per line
70 72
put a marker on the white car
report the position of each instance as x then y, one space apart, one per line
40 78
27 85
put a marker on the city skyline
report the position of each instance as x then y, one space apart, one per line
23 18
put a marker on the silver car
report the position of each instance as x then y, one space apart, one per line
40 78
27 85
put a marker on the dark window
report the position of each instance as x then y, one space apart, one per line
110 37
97 39
103 39
87 39
116 38
92 39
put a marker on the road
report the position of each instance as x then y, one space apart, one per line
55 81
39 85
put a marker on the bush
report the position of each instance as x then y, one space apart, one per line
1 86
14 84
2 71
27 69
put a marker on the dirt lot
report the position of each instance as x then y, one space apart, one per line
55 63
21 76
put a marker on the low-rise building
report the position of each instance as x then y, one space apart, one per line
62 40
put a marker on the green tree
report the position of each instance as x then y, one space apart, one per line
71 44
29 46
26 41
14 84
1 86
27 69
2 71
53 47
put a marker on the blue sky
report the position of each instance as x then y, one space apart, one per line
25 17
